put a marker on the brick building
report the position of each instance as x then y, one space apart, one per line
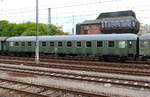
89 27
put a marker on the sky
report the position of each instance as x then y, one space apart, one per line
67 13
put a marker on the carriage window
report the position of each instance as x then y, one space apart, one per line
16 43
11 43
111 43
88 44
99 43
43 43
59 44
79 44
34 43
130 44
51 43
144 44
22 43
29 44
69 44
122 44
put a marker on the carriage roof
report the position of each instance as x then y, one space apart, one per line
145 36
76 37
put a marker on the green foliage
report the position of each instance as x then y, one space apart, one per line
26 29
29 33
4 27
55 29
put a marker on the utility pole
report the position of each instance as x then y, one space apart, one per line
73 25
37 30
49 21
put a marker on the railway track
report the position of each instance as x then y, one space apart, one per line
42 91
80 59
131 64
102 69
111 81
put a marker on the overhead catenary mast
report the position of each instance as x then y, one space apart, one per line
73 32
37 30
49 21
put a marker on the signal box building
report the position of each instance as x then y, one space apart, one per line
111 22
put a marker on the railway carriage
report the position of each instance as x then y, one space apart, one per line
144 45
2 44
108 46
21 45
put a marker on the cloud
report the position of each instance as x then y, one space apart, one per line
64 10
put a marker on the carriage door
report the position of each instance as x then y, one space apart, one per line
130 48
3 45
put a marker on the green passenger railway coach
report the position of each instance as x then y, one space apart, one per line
120 46
3 46
144 45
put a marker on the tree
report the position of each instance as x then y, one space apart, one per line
55 29
29 33
27 29
3 27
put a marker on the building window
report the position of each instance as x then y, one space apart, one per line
51 43
22 43
99 43
85 31
16 43
102 25
78 43
43 43
90 26
69 44
88 44
60 44
97 25
29 44
111 43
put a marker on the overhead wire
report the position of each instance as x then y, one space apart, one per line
59 16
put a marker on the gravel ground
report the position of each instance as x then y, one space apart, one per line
84 86
7 93
82 72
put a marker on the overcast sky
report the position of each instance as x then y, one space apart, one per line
68 12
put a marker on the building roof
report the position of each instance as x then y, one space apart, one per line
145 36
92 21
97 21
77 37
117 14
118 18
